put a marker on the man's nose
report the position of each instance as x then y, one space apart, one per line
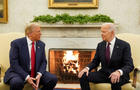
102 34
40 33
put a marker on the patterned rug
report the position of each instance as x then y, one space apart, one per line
66 89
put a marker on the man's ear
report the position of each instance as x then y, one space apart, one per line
30 34
112 32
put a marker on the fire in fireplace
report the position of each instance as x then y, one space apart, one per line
66 63
70 62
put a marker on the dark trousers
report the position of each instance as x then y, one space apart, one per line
99 77
48 81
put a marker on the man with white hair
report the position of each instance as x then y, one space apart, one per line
115 58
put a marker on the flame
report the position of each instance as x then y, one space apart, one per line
70 61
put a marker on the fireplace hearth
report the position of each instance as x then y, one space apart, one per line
66 63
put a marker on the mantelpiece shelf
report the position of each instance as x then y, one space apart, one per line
73 25
71 30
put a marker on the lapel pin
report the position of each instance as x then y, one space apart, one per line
117 46
38 47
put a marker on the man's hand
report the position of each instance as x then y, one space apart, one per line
37 80
115 77
31 80
82 72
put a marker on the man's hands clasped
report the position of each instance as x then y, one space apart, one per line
34 81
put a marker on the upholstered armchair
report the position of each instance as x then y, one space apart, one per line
134 84
5 40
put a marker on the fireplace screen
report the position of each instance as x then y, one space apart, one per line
66 63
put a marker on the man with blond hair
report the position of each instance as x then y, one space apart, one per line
28 62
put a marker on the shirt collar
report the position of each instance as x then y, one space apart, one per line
29 41
113 41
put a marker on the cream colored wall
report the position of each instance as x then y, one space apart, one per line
124 12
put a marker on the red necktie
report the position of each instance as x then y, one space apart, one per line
107 54
33 60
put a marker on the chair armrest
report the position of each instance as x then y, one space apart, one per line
136 70
0 72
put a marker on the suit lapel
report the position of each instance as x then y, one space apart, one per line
26 53
38 52
115 50
103 52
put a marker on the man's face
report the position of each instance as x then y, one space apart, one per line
106 33
36 34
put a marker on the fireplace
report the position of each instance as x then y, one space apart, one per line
59 38
66 63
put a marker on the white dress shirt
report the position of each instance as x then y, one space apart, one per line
29 42
112 43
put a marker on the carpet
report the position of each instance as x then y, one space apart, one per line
66 89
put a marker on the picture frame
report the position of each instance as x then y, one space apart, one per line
3 11
73 3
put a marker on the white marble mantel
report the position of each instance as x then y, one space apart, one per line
70 36
71 30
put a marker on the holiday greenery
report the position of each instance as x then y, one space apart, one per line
67 19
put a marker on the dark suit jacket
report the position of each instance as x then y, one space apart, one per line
120 59
20 60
